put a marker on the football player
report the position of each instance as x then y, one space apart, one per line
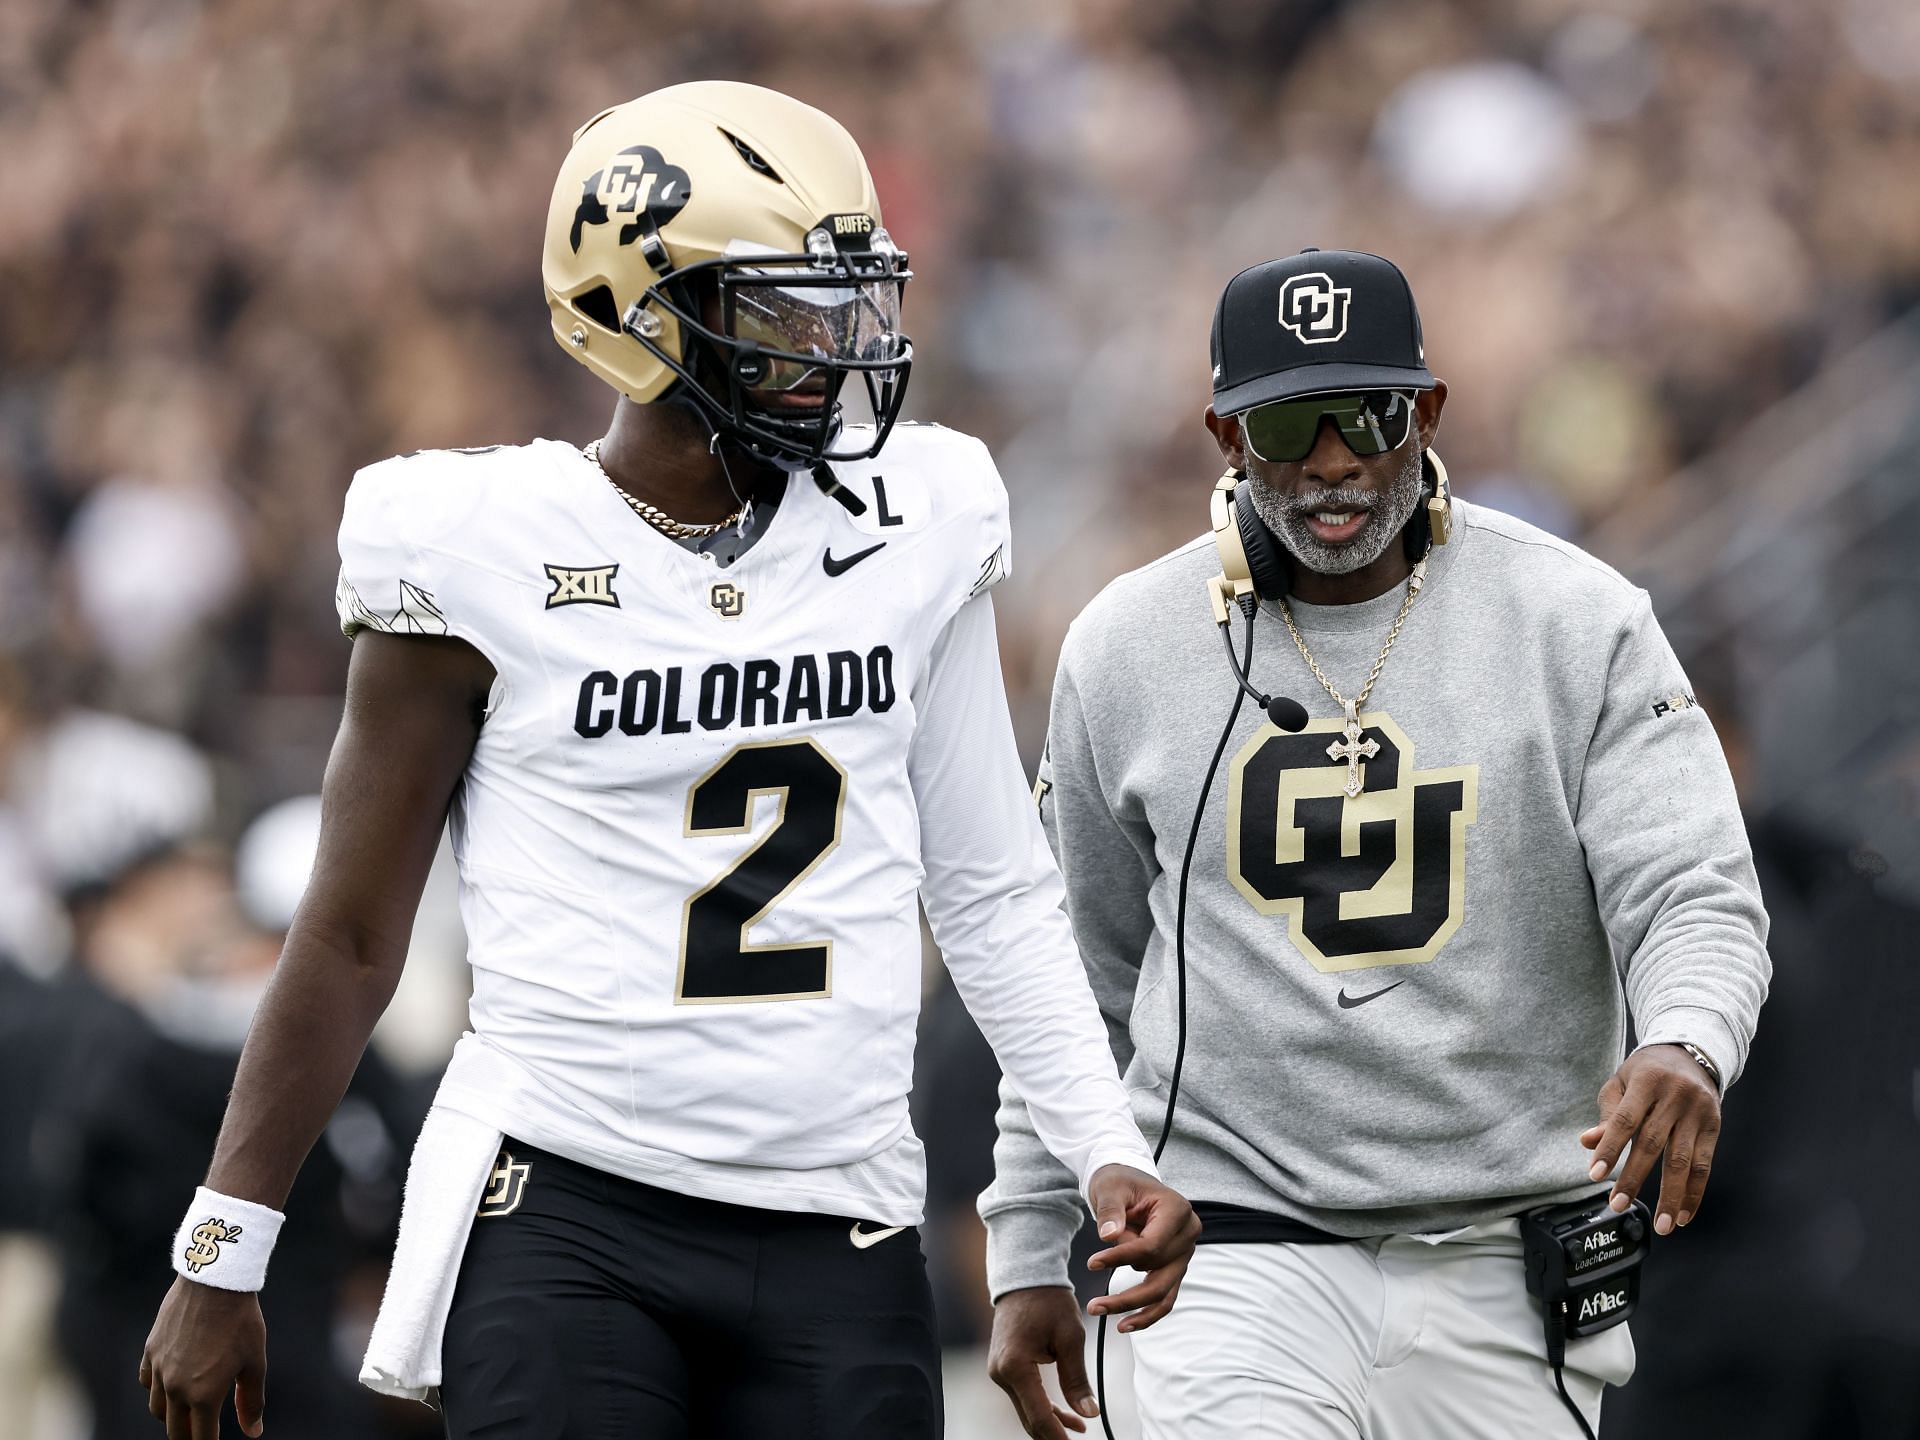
712 702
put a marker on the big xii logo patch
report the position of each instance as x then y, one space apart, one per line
582 587
1375 879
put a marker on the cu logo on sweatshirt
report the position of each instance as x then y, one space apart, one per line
1379 879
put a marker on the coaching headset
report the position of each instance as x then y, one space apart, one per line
1254 567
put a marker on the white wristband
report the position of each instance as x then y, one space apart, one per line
225 1242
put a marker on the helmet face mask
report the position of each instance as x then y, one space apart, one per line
718 246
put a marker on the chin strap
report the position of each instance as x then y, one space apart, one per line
829 484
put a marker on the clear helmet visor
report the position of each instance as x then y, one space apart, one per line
818 322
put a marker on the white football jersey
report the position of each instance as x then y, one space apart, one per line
701 808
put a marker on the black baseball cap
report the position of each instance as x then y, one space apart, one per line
1318 321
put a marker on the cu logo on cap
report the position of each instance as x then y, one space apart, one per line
1314 308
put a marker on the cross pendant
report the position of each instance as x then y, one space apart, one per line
1352 749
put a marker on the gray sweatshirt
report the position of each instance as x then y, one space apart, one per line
1546 839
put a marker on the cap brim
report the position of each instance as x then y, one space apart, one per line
1319 380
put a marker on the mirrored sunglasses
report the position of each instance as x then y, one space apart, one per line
1371 422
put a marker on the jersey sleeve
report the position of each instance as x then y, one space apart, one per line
977 538
993 897
387 580
1108 867
993 534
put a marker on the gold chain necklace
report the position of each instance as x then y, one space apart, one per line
654 515
1350 750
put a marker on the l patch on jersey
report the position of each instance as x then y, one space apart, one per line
582 587
1673 703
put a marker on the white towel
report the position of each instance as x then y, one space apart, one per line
451 1162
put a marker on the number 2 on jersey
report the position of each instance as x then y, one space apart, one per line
717 964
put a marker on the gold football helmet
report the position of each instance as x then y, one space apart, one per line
719 245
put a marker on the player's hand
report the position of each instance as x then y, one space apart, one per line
1039 1327
205 1341
1150 1228
1662 1101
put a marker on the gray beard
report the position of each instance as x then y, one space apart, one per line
1390 510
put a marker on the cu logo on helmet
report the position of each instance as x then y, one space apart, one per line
638 181
1314 308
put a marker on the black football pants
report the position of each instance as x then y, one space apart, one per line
602 1309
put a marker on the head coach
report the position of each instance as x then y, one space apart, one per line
1368 947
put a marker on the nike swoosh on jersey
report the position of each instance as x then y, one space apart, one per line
840 567
862 1239
1347 1002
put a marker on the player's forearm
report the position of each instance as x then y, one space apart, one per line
993 898
1013 962
312 1026
410 725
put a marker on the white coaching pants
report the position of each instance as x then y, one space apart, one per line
1397 1339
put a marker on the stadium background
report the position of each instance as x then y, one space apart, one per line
1668 258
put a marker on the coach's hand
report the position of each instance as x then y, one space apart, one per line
1039 1327
205 1342
1661 1100
1150 1228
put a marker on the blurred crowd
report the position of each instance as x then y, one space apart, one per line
246 248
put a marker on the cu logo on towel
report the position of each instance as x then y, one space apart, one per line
1314 308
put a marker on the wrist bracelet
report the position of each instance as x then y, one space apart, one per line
1705 1061
225 1242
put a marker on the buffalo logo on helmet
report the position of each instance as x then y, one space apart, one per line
640 181
1314 308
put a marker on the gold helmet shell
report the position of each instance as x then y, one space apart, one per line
680 205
